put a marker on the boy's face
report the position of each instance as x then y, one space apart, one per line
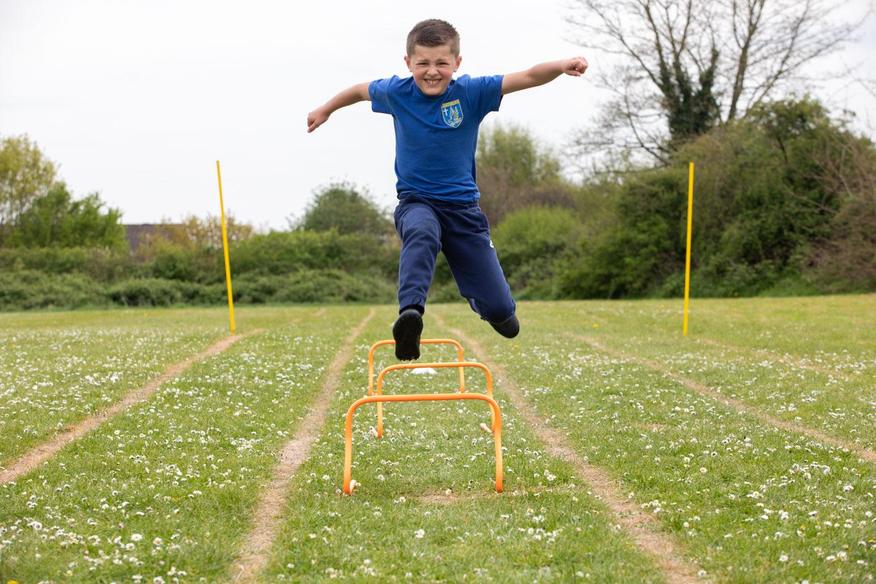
432 68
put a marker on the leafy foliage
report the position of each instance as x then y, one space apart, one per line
767 192
785 204
101 264
29 289
56 220
283 252
341 207
514 172
643 248
25 175
533 243
314 286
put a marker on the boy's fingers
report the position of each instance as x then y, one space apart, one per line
314 121
578 66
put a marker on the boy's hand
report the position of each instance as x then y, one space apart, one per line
576 66
349 96
316 118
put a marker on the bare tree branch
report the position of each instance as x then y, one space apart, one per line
702 63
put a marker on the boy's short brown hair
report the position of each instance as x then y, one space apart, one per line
433 33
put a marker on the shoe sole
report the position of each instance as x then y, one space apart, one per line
406 332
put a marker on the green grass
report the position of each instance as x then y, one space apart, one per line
167 489
750 502
58 369
426 509
837 404
833 330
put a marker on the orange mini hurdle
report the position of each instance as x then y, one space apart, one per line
378 398
460 357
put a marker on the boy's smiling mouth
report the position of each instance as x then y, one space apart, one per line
433 86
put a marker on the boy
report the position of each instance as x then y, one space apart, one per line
436 121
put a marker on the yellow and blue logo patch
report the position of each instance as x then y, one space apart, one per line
451 113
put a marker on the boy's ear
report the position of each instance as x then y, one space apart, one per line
458 62
408 63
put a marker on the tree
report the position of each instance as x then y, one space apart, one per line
781 196
514 172
56 220
25 175
340 206
684 67
533 243
845 260
205 232
642 248
190 250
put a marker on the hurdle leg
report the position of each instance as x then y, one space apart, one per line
380 419
496 414
348 449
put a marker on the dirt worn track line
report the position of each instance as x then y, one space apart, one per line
787 360
42 452
255 551
740 406
641 527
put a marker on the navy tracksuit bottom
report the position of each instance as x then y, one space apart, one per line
461 231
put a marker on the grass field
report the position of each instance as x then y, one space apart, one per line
744 453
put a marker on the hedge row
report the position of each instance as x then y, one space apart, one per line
29 289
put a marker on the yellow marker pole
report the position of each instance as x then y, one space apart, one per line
225 249
690 187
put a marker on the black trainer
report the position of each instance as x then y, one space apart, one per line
507 328
406 332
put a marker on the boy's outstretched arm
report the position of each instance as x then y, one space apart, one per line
543 73
349 96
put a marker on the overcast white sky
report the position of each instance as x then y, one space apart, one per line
137 99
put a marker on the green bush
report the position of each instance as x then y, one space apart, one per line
771 214
533 243
342 208
57 220
280 252
257 289
29 289
158 292
771 192
146 292
101 264
514 171
313 286
173 263
645 246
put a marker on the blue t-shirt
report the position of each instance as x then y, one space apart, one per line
436 137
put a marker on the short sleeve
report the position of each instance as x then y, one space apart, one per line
486 93
378 91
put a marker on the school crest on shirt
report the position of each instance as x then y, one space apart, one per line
451 113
